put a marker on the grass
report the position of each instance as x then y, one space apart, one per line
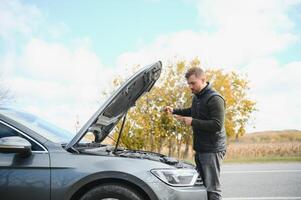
268 159
265 159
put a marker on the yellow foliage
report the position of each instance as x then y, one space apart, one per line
148 127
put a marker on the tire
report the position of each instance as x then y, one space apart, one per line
111 192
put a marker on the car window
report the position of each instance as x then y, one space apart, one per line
6 131
47 130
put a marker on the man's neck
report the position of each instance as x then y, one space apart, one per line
203 87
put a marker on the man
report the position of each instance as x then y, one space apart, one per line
206 116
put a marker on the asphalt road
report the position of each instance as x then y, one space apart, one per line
261 181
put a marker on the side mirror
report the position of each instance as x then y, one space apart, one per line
15 144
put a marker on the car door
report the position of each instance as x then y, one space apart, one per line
24 177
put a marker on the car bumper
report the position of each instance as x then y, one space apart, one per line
166 192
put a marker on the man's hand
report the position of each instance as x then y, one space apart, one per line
186 120
168 109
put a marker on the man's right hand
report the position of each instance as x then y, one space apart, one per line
168 109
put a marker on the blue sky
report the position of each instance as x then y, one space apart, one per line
57 56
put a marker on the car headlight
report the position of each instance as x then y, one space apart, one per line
176 177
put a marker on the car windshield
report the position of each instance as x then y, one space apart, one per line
40 126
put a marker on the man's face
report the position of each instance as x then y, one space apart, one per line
196 84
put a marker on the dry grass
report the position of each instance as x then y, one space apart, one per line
277 145
266 144
271 137
255 150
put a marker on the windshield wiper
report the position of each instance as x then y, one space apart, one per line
120 132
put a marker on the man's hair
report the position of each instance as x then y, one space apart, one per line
198 72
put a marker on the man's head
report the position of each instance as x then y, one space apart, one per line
196 79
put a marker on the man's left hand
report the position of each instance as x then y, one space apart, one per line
186 120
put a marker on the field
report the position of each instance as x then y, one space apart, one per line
266 146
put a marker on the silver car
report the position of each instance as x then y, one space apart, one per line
41 161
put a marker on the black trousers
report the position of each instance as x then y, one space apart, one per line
208 166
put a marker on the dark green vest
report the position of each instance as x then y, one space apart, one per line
206 141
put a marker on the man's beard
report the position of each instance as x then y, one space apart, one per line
194 92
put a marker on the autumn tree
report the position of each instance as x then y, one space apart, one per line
148 127
4 93
239 107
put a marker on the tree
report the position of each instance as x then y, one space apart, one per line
239 107
148 127
4 94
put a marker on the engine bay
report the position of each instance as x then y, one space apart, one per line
110 150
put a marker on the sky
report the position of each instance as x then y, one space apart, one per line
56 57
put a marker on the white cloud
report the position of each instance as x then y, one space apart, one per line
44 60
181 45
257 28
57 82
276 90
17 18
242 31
238 15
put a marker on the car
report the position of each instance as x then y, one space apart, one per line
40 161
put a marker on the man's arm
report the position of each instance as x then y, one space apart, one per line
216 106
184 112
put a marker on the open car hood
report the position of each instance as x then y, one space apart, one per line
109 114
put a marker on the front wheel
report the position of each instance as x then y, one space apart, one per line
111 192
